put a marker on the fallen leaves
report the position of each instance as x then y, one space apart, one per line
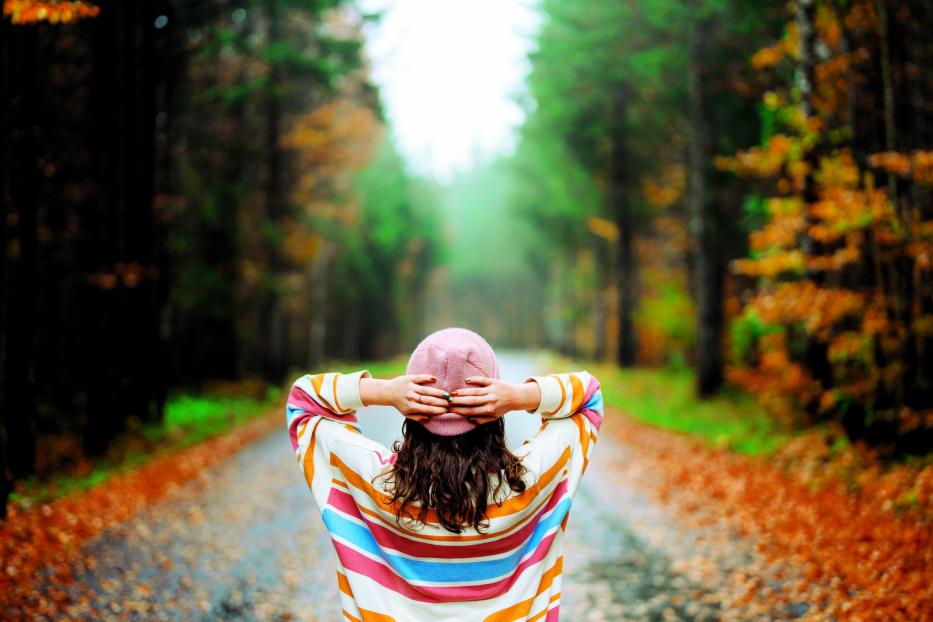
46 540
858 558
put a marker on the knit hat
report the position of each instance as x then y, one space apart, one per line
452 355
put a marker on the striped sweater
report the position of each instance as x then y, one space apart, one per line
508 571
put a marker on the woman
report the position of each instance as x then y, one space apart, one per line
452 525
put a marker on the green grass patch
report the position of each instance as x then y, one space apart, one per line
665 398
189 419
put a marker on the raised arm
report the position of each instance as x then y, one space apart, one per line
321 418
330 395
571 411
569 394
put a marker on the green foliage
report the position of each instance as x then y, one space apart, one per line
746 330
671 314
666 398
193 418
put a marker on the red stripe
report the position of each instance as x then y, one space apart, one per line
299 398
595 418
380 573
553 614
387 538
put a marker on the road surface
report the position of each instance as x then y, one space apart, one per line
244 542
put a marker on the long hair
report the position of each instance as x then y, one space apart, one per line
454 476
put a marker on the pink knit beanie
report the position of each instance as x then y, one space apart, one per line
452 355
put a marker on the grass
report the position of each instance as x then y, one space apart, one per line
665 398
189 419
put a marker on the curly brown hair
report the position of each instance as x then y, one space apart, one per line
452 475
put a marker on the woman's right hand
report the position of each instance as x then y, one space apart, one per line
407 394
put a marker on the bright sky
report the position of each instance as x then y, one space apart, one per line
449 72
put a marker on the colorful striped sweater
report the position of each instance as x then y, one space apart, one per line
508 571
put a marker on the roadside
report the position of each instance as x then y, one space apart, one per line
710 525
856 530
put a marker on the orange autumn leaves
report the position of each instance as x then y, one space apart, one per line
850 536
840 245
48 538
60 12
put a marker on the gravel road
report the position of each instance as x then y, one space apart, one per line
244 542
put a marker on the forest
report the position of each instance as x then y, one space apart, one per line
204 194
196 192
184 186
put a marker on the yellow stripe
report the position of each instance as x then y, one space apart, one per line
520 610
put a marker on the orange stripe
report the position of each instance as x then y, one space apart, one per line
317 381
520 610
511 505
563 393
336 401
461 538
344 584
349 617
372 616
368 616
579 392
308 465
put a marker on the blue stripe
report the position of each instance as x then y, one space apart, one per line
420 570
595 402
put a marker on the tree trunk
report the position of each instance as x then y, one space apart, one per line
623 215
272 321
887 80
317 306
19 194
708 275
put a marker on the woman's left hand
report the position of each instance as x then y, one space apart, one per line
490 398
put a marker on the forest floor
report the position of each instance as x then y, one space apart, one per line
662 529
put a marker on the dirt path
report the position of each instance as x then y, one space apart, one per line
244 542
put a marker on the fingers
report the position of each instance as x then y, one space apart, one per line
422 378
433 391
416 396
480 380
469 391
470 400
430 401
482 420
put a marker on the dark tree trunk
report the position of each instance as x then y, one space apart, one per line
707 269
275 363
124 376
622 211
19 194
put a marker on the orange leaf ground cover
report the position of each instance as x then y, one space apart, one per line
48 537
858 559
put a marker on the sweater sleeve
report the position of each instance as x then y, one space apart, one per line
321 423
571 411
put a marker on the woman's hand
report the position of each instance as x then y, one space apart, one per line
407 394
490 398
